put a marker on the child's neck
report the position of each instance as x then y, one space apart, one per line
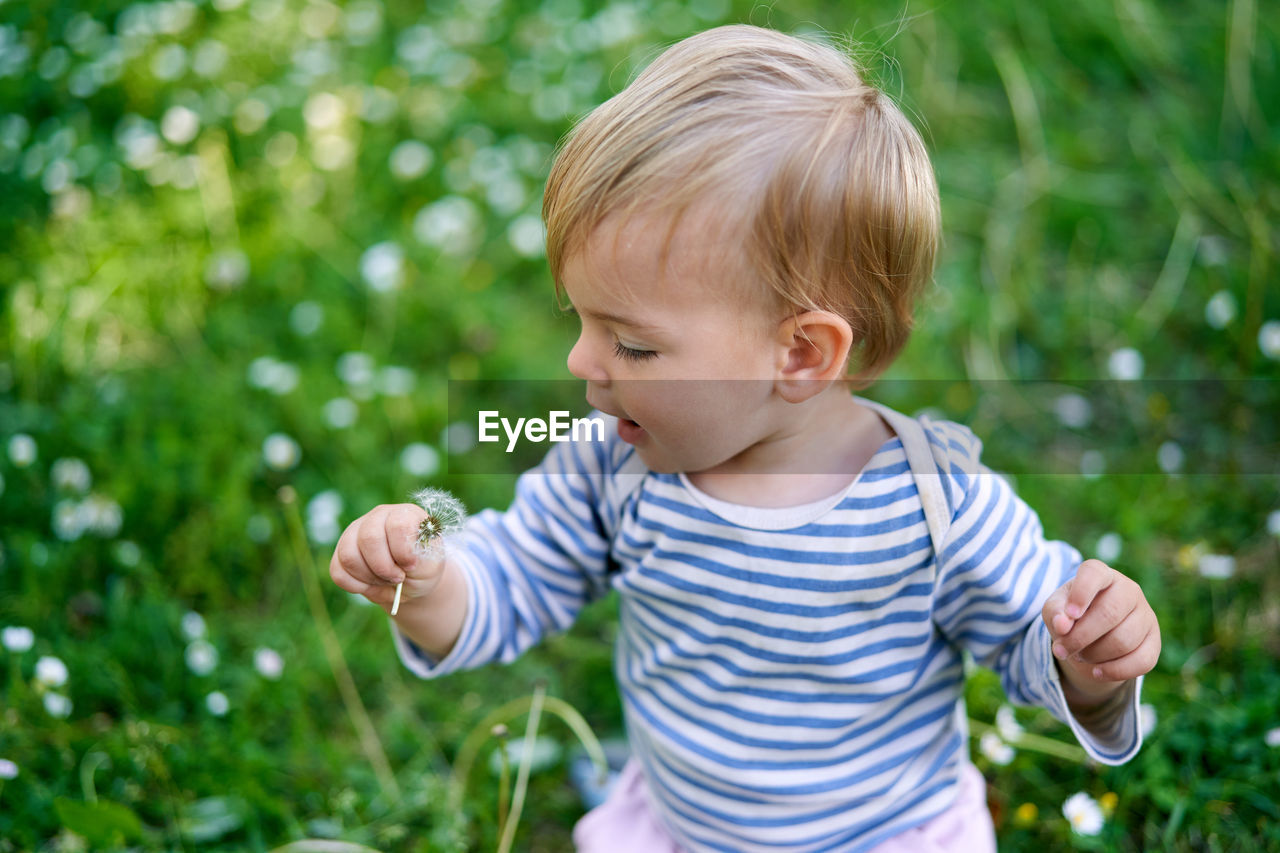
822 448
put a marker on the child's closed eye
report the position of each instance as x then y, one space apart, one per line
627 353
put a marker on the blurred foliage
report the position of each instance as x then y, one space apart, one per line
244 244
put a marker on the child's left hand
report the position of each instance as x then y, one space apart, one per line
1104 631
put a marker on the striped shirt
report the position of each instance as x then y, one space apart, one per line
792 678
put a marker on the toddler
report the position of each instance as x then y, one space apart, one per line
743 233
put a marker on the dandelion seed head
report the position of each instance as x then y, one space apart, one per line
17 638
51 671
445 515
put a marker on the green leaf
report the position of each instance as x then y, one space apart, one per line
103 823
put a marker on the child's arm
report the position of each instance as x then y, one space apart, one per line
1104 633
376 552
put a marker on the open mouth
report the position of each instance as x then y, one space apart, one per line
629 431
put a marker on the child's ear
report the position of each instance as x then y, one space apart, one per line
813 349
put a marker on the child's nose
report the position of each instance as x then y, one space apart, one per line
583 364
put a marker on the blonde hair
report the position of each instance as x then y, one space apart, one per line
829 182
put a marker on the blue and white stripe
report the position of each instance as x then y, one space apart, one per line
793 689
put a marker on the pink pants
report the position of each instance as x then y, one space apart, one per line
624 823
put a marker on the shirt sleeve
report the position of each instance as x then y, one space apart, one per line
531 569
995 572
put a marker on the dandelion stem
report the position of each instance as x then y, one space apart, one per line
395 605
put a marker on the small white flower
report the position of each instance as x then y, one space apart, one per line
70 475
278 377
996 750
1073 410
17 638
268 663
280 452
1125 364
1007 724
340 412
102 516
179 125
69 520
1272 738
51 671
527 235
1147 718
420 460
1170 457
1269 339
193 627
1220 309
1084 814
1216 566
306 318
202 657
226 270
1109 547
22 450
1273 523
57 705
217 703
382 266
410 159
8 770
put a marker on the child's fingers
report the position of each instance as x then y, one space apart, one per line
1107 610
1092 577
402 532
1137 662
1121 640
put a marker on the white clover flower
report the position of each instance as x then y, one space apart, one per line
193 626
527 235
226 270
1147 718
306 318
1170 457
217 703
1273 523
1272 737
1220 309
179 125
1084 814
340 412
1125 364
57 705
102 516
268 663
280 452
22 450
1007 724
382 266
51 671
8 770
411 159
17 638
1073 410
1109 547
420 460
1216 566
1269 339
396 381
996 750
451 224
69 520
201 657
70 475
458 437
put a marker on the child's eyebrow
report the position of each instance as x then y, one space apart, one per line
609 317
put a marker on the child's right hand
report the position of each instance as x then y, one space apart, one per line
376 552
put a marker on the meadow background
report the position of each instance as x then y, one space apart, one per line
244 245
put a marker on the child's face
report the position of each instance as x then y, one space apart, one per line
682 352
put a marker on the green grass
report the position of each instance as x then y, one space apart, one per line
1107 172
